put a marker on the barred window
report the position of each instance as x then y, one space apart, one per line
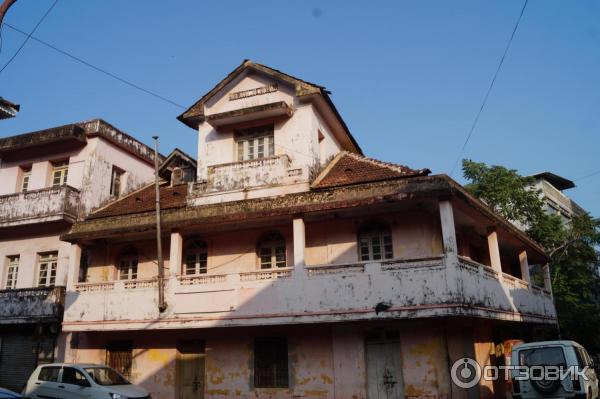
119 356
196 258
271 362
47 264
271 251
128 265
375 242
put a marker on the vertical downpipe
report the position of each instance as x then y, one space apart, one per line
162 305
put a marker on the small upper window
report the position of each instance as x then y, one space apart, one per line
128 265
254 143
47 269
375 242
60 172
25 179
271 251
12 271
196 256
115 181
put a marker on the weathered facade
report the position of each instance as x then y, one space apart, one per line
50 179
296 266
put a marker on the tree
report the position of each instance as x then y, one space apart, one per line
572 246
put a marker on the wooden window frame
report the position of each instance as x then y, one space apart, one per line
271 358
47 267
272 251
25 178
255 143
375 243
12 272
60 170
128 266
116 180
199 251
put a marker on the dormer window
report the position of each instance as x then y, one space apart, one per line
255 143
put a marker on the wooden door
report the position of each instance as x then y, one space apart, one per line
384 369
190 370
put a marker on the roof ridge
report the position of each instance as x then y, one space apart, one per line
390 165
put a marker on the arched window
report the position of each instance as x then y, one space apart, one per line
271 251
196 258
375 242
128 265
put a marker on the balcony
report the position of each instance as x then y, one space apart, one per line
39 206
32 305
395 289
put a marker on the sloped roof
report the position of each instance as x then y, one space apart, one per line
559 182
348 168
143 200
176 157
194 115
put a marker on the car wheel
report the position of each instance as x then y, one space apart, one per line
546 387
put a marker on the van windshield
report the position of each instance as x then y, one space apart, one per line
549 356
106 376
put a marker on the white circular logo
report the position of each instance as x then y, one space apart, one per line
465 373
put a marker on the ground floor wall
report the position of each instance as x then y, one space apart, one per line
409 359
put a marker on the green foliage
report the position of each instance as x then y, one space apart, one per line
571 246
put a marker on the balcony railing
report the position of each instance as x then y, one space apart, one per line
45 205
407 288
31 305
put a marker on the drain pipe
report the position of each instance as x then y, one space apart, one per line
162 305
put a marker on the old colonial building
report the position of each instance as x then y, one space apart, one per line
296 266
49 179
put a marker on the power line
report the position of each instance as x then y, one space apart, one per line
29 36
588 175
96 68
487 94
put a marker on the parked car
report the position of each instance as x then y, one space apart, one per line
563 354
8 394
79 381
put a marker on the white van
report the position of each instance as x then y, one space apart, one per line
79 381
562 354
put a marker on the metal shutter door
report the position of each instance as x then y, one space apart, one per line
18 359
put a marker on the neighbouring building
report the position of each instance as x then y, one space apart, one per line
556 202
8 109
296 266
50 179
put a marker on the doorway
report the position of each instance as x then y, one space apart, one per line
190 369
384 366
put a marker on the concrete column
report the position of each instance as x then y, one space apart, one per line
202 173
524 266
74 264
494 249
299 245
547 278
175 254
448 229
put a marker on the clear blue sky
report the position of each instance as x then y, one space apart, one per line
408 77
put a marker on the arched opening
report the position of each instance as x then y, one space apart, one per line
127 264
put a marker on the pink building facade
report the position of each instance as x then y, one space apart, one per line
50 179
297 267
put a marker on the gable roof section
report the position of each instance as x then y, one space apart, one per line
348 168
143 200
194 115
176 157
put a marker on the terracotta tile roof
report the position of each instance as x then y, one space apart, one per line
143 200
349 168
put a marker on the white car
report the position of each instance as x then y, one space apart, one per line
564 355
80 381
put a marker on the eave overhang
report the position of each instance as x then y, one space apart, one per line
69 136
330 199
271 110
